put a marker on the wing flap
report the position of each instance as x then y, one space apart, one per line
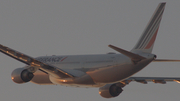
161 80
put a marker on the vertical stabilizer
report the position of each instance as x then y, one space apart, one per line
147 39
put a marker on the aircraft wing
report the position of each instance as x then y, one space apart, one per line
33 63
145 80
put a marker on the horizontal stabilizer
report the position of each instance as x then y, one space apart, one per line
127 53
165 60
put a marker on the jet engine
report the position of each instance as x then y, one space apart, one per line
21 75
110 90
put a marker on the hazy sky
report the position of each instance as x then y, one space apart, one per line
71 27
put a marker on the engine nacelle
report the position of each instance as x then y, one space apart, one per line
110 90
21 75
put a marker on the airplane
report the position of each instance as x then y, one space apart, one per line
110 72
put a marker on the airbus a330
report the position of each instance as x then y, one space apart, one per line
110 72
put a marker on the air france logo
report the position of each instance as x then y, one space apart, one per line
51 59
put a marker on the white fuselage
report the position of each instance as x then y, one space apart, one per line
90 70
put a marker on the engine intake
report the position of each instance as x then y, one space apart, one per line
21 75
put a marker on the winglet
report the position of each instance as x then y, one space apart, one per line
131 55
